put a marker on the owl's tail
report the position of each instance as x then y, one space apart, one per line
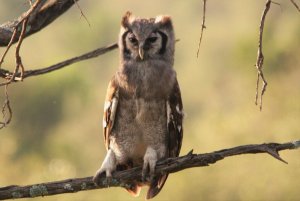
134 190
156 186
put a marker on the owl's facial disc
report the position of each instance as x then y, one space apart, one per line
141 47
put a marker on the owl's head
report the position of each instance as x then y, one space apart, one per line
146 39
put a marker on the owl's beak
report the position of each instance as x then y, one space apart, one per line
141 53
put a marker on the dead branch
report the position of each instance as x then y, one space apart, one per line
82 14
6 110
92 54
260 57
202 26
43 16
124 178
296 5
24 22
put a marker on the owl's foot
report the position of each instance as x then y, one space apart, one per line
107 167
150 159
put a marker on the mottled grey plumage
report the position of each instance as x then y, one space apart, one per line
143 109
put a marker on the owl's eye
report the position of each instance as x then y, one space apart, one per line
152 39
133 40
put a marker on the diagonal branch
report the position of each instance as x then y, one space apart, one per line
295 4
124 178
28 73
50 10
82 14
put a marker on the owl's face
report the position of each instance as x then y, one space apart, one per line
146 39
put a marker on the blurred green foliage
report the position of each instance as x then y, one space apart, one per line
56 129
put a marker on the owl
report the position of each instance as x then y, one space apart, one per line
143 111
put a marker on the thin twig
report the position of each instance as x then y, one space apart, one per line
260 56
6 106
82 14
6 110
202 26
19 63
124 178
30 2
296 5
17 56
8 46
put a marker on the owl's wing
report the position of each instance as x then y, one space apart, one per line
110 108
175 117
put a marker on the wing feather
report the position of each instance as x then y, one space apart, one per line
174 120
110 108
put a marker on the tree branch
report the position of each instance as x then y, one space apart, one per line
296 5
202 26
28 73
124 178
41 18
260 56
6 110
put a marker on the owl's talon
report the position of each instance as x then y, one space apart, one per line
150 160
108 181
145 171
107 167
99 174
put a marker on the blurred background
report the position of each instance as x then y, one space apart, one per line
56 130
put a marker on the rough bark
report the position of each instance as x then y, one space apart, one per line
123 178
50 10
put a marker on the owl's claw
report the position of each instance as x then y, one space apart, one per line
99 174
144 175
107 167
150 160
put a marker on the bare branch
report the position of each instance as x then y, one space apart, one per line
8 46
28 73
23 21
124 178
296 5
6 110
82 14
43 16
260 56
17 56
202 26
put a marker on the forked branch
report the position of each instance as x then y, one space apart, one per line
123 178
260 57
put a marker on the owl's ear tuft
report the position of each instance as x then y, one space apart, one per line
126 20
164 20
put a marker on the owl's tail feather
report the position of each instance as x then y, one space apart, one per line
134 190
156 186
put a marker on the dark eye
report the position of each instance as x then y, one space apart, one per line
133 40
152 39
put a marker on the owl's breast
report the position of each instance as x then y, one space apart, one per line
138 124
147 80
